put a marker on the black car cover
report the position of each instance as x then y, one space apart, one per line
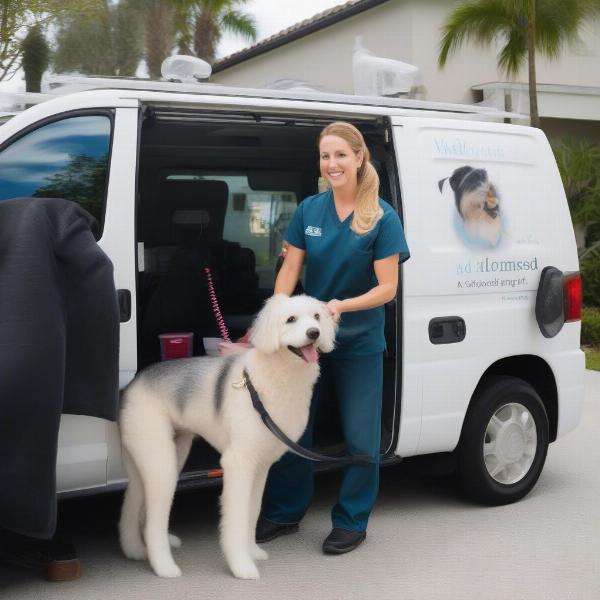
59 341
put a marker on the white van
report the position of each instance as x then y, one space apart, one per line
482 360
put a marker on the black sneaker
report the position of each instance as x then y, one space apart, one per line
340 541
269 530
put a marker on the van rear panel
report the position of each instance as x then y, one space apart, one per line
484 213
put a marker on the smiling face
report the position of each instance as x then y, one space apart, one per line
301 325
338 162
307 327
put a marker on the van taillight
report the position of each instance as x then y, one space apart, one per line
573 294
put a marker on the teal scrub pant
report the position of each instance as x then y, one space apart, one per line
358 383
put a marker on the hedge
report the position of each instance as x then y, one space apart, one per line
590 326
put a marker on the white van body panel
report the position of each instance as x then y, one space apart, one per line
119 229
118 241
89 448
490 282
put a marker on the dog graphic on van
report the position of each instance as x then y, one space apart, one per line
478 219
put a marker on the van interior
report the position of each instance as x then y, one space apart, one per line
218 190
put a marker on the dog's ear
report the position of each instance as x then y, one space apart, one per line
441 184
328 330
264 334
457 177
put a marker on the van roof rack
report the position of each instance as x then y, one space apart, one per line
59 85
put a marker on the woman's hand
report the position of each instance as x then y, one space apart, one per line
335 308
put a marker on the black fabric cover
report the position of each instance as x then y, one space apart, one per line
59 339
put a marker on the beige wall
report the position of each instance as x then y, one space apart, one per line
407 30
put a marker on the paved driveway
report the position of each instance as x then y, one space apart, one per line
424 542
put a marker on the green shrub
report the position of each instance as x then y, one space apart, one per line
590 326
590 276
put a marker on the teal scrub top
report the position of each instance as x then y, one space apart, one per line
339 264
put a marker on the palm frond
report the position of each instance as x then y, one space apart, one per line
240 23
557 23
514 53
592 250
475 20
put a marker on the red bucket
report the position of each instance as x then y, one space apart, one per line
176 345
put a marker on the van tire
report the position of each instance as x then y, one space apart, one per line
520 429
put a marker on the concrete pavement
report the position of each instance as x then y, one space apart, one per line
424 542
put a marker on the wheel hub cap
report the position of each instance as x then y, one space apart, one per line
510 443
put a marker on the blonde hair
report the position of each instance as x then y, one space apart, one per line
367 211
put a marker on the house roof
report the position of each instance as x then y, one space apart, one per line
315 23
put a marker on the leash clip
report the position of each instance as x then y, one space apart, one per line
238 385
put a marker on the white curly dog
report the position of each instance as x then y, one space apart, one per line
169 403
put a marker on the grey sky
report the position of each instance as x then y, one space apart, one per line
273 16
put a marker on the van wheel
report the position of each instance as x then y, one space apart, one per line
504 442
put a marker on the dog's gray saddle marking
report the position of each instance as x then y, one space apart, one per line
185 390
220 384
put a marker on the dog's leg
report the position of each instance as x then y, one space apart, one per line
183 443
238 477
258 488
156 458
130 532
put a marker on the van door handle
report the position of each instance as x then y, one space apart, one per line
447 330
124 299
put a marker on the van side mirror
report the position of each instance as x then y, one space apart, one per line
550 303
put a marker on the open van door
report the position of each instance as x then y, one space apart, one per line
118 241
89 452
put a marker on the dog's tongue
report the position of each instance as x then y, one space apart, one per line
310 353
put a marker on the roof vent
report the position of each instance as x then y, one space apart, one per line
376 76
185 69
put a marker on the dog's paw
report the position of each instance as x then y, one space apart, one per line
135 551
244 569
174 541
258 553
166 569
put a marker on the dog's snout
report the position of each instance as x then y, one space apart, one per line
312 333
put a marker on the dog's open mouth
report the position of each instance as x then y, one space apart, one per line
307 353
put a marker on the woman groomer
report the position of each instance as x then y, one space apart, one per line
351 242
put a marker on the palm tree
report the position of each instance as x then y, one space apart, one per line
105 41
202 23
525 25
160 29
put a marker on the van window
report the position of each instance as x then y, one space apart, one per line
64 159
256 219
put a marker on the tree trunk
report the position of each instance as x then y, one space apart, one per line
159 36
533 106
580 236
206 36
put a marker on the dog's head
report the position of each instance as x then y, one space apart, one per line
470 187
300 324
